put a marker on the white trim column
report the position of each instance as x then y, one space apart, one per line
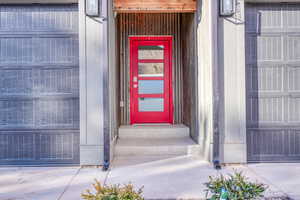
206 39
231 41
93 61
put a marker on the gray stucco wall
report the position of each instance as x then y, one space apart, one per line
93 63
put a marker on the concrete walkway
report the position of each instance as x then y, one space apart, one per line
162 178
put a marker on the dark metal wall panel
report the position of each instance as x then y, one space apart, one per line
113 79
149 24
273 74
39 84
189 73
113 73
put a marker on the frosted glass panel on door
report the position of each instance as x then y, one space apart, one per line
151 104
151 52
151 86
151 69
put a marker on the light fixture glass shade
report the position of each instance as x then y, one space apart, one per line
92 8
227 7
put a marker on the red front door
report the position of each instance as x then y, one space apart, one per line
151 80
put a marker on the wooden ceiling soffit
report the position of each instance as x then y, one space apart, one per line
144 6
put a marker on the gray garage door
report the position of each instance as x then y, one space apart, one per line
39 86
273 82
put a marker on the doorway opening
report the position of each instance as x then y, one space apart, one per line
179 30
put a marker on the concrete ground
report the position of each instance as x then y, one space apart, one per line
162 178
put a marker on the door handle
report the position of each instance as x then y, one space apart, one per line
135 85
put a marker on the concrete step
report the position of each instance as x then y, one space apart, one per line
156 147
154 131
136 160
125 161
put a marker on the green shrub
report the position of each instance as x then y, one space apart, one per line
114 192
234 187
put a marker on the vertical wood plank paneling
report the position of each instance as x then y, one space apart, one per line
188 74
149 24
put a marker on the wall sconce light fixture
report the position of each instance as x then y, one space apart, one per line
92 8
227 7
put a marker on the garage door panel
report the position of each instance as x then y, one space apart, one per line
262 148
264 48
44 81
16 17
291 18
39 18
269 48
16 113
265 110
61 146
16 81
66 81
56 50
16 50
266 78
263 18
21 147
45 50
251 19
270 18
293 48
39 79
294 110
293 78
61 113
294 141
251 49
56 18
273 145
54 114
17 146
